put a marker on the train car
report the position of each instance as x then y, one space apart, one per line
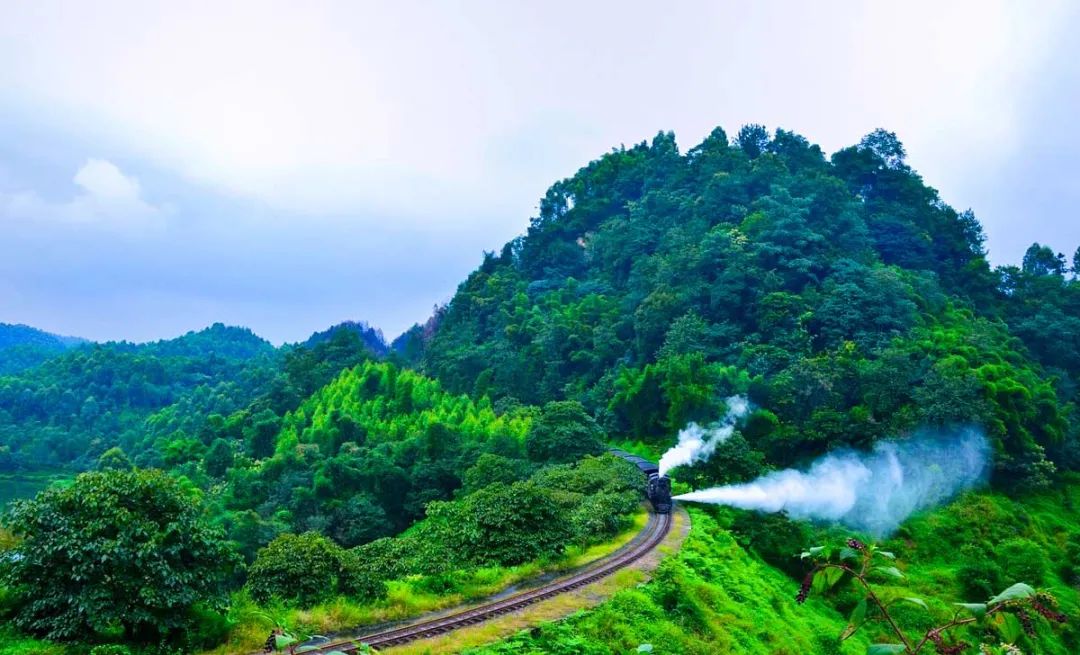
658 486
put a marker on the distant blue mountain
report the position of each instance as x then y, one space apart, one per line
371 337
23 347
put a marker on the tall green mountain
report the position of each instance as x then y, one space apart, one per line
842 293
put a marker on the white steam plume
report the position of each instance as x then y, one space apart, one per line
697 443
871 492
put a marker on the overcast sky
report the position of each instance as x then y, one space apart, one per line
286 166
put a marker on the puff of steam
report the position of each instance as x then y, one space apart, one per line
872 492
697 443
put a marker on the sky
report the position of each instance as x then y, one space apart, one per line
286 166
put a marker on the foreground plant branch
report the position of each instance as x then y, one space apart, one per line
1007 613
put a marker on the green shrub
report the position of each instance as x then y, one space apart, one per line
979 575
110 649
1022 560
301 568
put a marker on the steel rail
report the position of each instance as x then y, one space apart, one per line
655 531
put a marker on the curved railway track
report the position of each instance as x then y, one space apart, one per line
653 533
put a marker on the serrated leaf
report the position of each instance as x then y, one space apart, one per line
978 610
885 649
884 553
890 571
858 615
1016 592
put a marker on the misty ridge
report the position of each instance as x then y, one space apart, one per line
868 491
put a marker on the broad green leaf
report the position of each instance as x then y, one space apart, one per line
1016 592
816 550
978 610
884 553
915 601
885 649
832 576
890 571
284 641
644 648
1009 626
849 553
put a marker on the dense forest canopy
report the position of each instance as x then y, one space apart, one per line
842 293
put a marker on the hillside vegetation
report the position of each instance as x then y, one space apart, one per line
336 482
842 294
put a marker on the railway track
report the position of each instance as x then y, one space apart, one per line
654 532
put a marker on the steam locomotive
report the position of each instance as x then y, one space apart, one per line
658 486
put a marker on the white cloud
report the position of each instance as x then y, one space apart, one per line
107 198
405 108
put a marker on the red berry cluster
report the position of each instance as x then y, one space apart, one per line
1041 605
856 544
941 649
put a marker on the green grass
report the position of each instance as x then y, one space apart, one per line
14 486
716 597
406 598
713 597
12 643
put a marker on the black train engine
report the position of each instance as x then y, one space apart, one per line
658 486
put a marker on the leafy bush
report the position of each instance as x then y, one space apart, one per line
116 548
979 574
563 432
309 568
1022 559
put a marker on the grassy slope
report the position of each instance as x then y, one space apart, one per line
406 598
717 597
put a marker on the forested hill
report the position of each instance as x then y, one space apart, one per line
159 402
372 337
840 292
22 346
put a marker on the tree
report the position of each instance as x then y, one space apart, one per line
1076 262
886 146
114 459
219 458
501 524
1040 260
358 521
491 468
302 568
116 548
752 139
563 432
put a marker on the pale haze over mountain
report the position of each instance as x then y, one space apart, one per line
288 167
